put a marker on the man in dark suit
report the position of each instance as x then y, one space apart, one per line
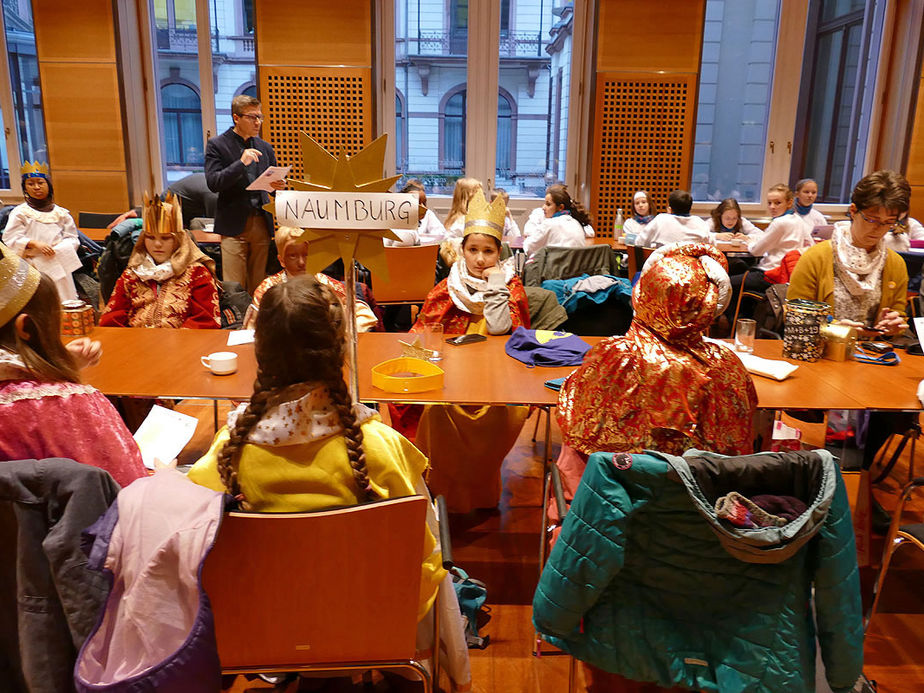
233 160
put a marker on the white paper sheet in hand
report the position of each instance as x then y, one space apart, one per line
164 434
270 175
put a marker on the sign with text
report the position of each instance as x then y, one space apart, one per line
346 210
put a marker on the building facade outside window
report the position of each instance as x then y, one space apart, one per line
432 69
22 105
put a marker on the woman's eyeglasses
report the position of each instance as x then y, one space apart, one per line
889 225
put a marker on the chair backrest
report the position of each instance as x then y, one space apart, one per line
317 588
554 262
637 257
93 220
410 275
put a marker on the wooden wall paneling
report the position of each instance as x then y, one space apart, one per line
83 116
82 104
332 105
75 31
295 32
650 36
91 191
643 140
915 170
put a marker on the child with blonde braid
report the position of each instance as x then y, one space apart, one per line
302 444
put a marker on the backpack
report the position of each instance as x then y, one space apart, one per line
472 595
116 252
233 302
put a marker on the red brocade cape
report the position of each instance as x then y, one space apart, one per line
661 386
439 308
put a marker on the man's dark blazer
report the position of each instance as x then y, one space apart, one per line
227 175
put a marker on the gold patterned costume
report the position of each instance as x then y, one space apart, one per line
660 386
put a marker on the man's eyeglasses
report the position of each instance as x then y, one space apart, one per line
889 225
255 118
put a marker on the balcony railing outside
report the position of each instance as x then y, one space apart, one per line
518 44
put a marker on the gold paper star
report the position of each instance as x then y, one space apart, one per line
358 173
415 350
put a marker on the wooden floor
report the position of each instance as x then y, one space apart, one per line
502 547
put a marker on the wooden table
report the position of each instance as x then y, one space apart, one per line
165 363
144 362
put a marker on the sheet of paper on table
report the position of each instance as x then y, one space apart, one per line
769 368
270 175
164 434
236 337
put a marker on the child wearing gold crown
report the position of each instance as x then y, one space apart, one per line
44 233
481 294
45 411
168 282
467 445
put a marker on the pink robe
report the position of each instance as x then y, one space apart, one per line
72 420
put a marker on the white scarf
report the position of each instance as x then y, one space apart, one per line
148 270
300 413
857 275
466 291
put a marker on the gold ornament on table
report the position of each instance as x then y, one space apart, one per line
415 350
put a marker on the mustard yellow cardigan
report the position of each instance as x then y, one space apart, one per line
317 475
813 278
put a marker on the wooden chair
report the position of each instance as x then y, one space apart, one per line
410 275
332 591
93 220
637 256
898 534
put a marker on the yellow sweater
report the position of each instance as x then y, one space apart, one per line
317 475
813 278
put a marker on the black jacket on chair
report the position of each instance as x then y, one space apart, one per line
49 600
226 174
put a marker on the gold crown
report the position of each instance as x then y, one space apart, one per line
485 218
163 216
35 168
18 282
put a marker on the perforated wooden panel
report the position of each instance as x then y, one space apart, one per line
643 129
333 106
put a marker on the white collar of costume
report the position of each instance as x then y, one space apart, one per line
53 216
148 270
859 270
466 291
298 414
12 366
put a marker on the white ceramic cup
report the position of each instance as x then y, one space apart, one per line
221 362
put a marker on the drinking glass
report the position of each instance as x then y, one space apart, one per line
745 330
433 339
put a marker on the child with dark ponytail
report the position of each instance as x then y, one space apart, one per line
561 221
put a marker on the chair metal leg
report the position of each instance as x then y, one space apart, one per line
880 578
539 411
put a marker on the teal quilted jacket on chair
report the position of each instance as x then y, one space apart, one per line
646 581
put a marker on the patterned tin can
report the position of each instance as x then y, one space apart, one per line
802 323
76 318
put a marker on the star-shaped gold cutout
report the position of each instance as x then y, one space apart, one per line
358 173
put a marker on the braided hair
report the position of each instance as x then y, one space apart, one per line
299 338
